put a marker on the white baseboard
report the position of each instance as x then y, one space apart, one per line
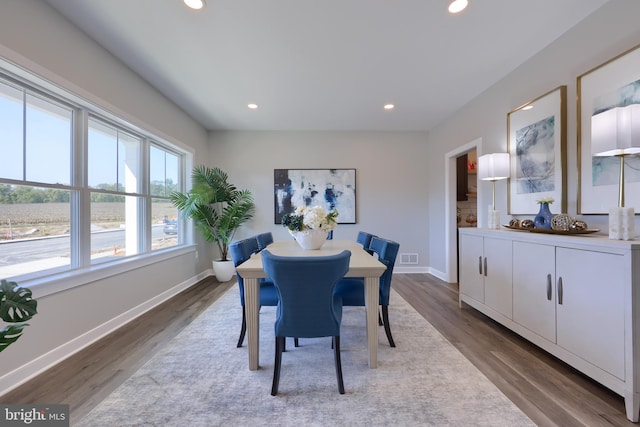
426 270
37 366
404 269
439 274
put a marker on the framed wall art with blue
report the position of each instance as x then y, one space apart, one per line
616 83
329 188
537 147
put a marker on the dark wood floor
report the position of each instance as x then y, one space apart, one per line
547 390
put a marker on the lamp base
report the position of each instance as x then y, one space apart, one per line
494 219
621 224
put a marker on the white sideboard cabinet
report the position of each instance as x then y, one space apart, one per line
577 297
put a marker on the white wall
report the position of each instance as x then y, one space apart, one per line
35 37
390 178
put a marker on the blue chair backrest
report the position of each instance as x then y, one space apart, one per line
387 251
264 240
306 307
364 239
241 251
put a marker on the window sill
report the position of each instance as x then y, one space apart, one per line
63 281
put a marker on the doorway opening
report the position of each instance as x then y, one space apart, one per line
469 213
466 195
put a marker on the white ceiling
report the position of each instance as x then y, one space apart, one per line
326 64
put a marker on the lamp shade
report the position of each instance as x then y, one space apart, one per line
616 132
492 167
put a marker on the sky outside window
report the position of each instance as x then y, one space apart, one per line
45 148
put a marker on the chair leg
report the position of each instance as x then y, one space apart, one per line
380 320
336 356
387 328
295 342
243 328
277 364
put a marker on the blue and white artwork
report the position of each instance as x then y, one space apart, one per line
329 188
535 157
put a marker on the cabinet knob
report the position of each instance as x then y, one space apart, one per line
480 265
549 290
485 266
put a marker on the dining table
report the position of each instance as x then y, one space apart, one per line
361 264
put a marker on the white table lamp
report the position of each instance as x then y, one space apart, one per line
493 167
616 132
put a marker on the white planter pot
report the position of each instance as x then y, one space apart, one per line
223 270
310 239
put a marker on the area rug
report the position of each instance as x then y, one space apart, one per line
200 378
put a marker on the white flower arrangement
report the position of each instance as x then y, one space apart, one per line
310 218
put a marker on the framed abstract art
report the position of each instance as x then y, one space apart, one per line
329 188
537 145
616 83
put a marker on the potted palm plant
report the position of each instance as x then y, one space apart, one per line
218 209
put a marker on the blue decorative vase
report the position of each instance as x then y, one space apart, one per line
543 219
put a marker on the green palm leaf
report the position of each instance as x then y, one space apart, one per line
216 206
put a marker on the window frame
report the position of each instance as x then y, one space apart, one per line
82 268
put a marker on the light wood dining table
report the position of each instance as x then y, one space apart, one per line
361 264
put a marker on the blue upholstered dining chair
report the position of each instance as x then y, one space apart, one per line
351 289
241 251
264 240
308 306
364 239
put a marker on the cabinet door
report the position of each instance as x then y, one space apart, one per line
497 275
471 268
590 310
534 296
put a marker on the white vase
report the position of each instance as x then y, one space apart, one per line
223 270
310 239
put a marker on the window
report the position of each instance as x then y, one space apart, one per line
35 226
113 175
35 137
36 132
62 209
164 169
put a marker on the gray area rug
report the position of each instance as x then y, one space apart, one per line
200 378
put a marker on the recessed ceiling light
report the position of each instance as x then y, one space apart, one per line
389 106
252 106
195 4
457 6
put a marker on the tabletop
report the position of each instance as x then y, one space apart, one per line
361 263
